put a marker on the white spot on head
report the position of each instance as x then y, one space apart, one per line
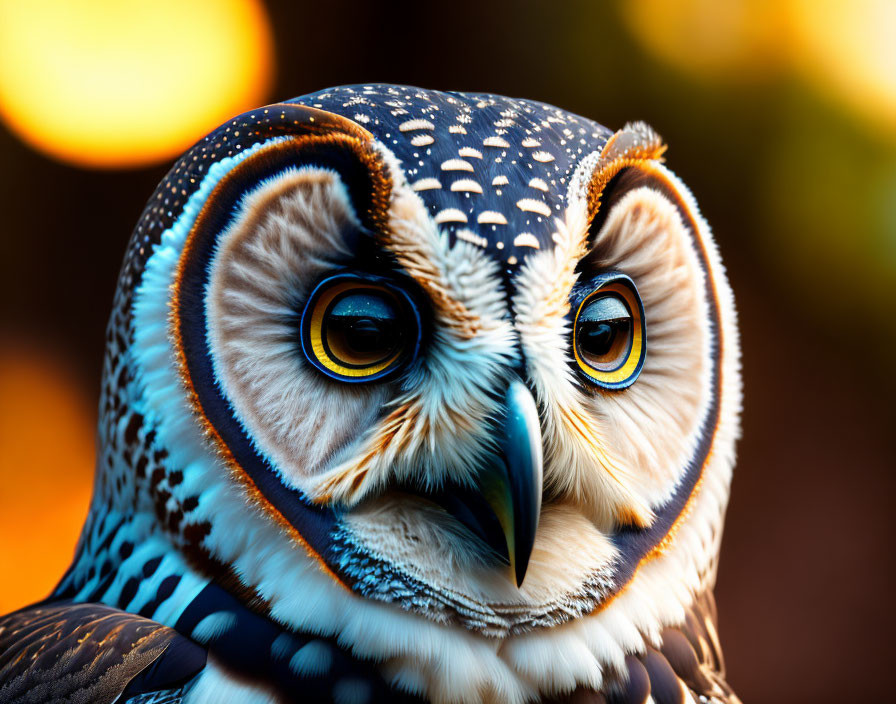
498 142
466 185
457 129
539 184
411 125
530 205
500 181
426 184
470 152
543 157
421 140
456 165
526 239
491 217
531 143
449 215
471 237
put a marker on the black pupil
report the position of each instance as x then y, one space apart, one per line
363 328
366 336
596 338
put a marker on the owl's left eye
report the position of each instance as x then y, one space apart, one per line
358 328
609 333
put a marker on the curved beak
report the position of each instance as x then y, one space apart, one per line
504 508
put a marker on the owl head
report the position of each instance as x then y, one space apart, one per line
429 372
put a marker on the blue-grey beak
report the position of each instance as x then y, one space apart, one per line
504 508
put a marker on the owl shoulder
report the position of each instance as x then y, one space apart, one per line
62 651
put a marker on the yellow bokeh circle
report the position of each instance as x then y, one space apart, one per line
123 83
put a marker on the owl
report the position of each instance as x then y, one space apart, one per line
408 396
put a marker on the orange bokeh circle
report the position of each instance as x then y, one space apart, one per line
125 83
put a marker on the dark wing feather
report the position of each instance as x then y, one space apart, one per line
694 653
689 660
90 653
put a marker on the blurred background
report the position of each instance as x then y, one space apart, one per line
781 116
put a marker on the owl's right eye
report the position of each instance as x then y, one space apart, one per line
359 328
609 336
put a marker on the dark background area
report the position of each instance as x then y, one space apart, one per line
797 177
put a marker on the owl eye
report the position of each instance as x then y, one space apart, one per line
610 341
359 328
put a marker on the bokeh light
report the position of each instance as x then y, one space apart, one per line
123 83
847 48
735 38
46 432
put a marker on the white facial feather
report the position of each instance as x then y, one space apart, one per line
288 234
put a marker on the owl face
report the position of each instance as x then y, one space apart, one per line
470 356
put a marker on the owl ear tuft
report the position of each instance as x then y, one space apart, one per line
637 140
631 159
635 147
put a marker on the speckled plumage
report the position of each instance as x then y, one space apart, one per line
519 155
195 525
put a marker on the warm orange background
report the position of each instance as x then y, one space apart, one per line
780 115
